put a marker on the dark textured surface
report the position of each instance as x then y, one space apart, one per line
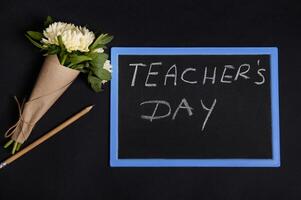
74 164
238 127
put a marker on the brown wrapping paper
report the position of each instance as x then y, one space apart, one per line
52 82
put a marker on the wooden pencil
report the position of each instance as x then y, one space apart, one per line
46 136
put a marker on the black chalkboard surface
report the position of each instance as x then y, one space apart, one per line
195 107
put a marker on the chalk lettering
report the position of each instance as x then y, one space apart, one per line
171 75
183 105
260 74
226 76
208 77
262 77
184 72
242 73
209 112
150 72
153 116
135 72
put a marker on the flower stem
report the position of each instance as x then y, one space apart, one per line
14 148
8 143
64 59
18 146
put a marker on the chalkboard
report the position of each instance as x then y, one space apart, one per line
205 107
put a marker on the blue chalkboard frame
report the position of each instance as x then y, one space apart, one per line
272 162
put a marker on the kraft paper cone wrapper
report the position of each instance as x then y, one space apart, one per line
52 82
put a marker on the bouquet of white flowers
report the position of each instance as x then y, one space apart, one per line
69 50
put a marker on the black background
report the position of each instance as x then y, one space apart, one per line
74 164
238 127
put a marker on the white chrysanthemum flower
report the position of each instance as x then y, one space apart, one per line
98 50
107 66
54 30
75 38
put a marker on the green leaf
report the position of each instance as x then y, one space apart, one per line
96 87
101 40
83 67
34 42
98 59
95 83
93 79
100 46
75 59
53 49
48 21
61 42
102 74
35 35
62 52
78 66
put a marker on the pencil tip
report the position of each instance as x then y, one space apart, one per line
2 165
90 107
